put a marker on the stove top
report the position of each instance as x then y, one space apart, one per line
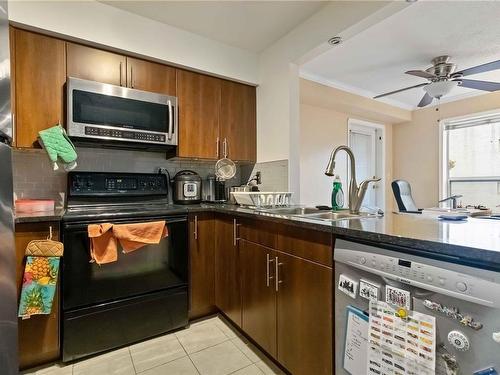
100 196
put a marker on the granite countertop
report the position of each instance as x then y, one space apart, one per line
475 240
38 217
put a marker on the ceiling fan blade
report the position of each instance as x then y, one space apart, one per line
480 85
421 73
396 91
426 100
494 65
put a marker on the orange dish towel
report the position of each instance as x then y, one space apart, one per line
103 246
135 236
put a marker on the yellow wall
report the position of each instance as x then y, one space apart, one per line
416 144
324 115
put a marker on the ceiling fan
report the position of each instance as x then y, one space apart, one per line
443 78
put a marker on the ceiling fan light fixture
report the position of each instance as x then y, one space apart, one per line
440 88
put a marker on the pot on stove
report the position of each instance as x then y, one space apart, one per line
187 187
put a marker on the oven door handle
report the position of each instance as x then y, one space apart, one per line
76 226
170 121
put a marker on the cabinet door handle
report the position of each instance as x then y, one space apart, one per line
277 280
131 76
235 232
217 147
268 270
120 73
224 144
196 227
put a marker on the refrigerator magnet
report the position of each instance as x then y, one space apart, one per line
348 286
369 290
397 297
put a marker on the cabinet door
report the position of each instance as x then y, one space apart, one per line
199 103
227 274
150 76
39 86
38 336
258 295
202 265
96 65
304 316
238 120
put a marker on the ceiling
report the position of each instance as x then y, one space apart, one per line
250 25
374 61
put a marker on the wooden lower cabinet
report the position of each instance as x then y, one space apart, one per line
227 272
202 265
258 294
304 316
38 336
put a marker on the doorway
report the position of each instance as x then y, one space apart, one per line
367 140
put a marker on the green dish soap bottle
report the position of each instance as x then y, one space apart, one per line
337 194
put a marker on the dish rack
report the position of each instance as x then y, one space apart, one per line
262 198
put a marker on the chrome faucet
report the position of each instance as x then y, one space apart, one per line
356 193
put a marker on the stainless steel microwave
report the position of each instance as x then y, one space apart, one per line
120 116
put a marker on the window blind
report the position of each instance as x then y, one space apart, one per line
472 121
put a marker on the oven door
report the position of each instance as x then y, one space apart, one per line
119 114
149 269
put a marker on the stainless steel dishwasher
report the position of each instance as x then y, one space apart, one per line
465 301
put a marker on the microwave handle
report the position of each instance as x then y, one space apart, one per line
170 121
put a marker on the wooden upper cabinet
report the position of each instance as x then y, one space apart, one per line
96 65
199 104
238 120
40 76
150 76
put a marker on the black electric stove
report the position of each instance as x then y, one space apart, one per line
141 295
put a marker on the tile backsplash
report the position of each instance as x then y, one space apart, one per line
35 178
274 175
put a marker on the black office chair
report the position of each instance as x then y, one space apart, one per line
402 193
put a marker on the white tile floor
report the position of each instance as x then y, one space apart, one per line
207 347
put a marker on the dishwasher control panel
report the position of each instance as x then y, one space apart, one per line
429 274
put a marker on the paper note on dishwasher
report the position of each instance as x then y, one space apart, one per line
402 346
356 341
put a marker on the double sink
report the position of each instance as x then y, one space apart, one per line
315 213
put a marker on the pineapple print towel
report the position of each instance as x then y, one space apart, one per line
39 285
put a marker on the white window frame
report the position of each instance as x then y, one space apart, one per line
355 124
444 180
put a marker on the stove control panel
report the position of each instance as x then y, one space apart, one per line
112 184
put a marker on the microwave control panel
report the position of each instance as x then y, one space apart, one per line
132 135
99 184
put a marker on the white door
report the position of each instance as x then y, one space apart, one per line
362 140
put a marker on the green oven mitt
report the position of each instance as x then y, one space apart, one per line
58 146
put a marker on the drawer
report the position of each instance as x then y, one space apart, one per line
305 243
261 232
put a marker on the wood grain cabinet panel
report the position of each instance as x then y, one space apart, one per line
258 295
202 265
259 231
38 336
40 76
305 243
149 76
96 65
238 121
227 271
199 103
304 316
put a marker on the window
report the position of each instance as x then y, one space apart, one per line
471 159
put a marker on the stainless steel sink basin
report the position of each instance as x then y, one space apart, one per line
337 215
292 211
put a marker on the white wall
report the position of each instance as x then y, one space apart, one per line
278 98
105 25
